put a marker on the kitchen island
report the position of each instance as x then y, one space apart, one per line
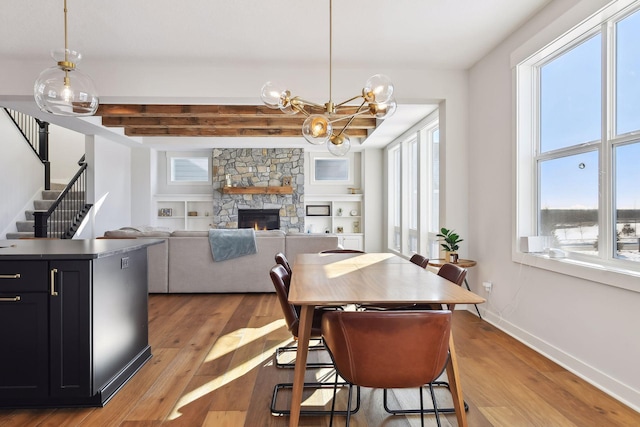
73 320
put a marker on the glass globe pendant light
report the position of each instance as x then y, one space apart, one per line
62 90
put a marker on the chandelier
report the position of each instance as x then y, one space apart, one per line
62 90
377 101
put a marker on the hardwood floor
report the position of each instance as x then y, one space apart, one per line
212 365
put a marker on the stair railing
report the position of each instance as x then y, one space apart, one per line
65 215
36 134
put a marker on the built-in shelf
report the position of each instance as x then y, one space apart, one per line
257 190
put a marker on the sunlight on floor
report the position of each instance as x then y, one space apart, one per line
224 345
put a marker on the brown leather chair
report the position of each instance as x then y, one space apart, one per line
342 251
453 273
281 282
418 259
379 349
282 260
281 279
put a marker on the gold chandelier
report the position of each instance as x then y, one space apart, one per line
62 89
377 101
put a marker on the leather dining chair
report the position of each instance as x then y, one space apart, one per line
283 261
453 273
420 260
379 349
281 282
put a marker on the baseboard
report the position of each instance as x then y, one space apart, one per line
593 376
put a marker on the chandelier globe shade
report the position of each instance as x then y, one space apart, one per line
62 90
339 145
385 110
274 96
317 129
378 88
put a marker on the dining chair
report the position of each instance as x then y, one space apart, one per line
281 281
453 273
283 261
379 349
342 251
456 274
420 260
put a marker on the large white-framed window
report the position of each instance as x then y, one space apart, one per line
413 190
188 168
578 146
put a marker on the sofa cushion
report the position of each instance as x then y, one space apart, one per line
132 233
299 243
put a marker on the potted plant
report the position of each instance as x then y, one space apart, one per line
450 243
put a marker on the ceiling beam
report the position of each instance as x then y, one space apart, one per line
217 121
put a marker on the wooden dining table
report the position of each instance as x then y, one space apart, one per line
371 278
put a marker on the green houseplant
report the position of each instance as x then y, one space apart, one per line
450 240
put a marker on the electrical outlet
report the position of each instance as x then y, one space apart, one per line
124 262
488 286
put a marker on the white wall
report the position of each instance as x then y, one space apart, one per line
588 327
109 169
144 174
374 183
22 175
66 147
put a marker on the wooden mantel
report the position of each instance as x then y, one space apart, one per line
257 190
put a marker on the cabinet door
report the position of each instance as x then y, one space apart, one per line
25 345
70 326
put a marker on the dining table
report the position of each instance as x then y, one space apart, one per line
330 279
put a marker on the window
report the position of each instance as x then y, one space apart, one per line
412 191
188 169
578 129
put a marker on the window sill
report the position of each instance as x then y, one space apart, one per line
595 272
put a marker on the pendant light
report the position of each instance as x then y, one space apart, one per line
62 90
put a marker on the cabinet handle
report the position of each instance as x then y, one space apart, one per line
9 299
53 282
10 276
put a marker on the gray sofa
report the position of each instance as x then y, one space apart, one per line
184 264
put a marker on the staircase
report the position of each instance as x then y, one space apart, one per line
25 228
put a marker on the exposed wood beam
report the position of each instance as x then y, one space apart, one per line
216 121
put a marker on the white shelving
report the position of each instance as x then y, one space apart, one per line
184 212
344 217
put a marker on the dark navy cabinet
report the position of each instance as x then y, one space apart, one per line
73 320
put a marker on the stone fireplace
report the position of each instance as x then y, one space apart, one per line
259 167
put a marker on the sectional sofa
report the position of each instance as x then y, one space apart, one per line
184 264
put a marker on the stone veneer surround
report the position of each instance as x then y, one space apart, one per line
258 167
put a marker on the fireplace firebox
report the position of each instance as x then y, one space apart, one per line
259 219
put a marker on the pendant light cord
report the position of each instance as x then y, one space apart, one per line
66 49
330 48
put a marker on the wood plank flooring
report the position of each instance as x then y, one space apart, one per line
212 365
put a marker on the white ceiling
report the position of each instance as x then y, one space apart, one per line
445 34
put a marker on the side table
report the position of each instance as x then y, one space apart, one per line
464 263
